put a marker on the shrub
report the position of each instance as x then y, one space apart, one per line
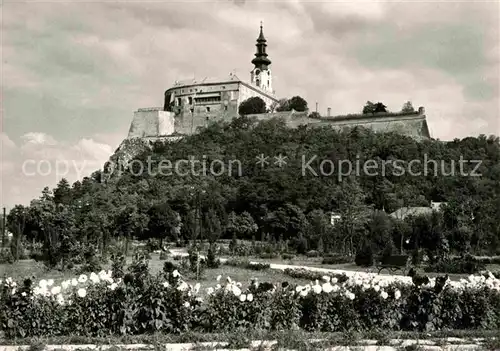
336 259
460 265
312 253
6 257
212 261
244 263
364 257
118 265
287 256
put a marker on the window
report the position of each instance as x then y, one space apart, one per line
208 118
223 87
225 108
208 109
192 110
190 90
190 100
257 82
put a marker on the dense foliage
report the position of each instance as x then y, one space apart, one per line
283 204
103 305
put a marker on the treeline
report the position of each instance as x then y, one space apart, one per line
280 201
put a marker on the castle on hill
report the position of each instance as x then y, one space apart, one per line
191 104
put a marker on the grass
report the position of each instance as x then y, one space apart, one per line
31 268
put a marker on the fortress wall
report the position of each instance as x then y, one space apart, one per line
144 123
415 126
165 123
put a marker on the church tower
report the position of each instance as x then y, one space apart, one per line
261 74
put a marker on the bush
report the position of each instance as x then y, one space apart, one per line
244 263
312 253
460 265
212 261
6 257
364 257
336 259
301 273
287 256
144 304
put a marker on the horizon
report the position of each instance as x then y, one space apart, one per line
73 77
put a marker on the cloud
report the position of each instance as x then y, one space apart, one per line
40 160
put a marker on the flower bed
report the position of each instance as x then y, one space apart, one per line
100 305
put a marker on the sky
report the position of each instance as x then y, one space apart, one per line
73 72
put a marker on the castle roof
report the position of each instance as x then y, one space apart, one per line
207 80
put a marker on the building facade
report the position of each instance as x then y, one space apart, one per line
195 103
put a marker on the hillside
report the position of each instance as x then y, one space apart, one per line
289 202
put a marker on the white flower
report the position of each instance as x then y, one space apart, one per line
326 278
210 291
50 282
183 287
82 278
186 304
113 286
197 287
397 294
243 297
23 293
218 286
60 299
219 277
384 295
82 292
228 279
94 278
250 297
238 284
42 283
74 282
65 284
175 273
166 284
376 288
317 288
236 291
55 290
304 292
334 280
13 291
327 287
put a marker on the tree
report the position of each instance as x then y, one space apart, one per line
371 108
407 107
163 222
283 105
242 226
380 107
314 115
252 105
62 193
297 103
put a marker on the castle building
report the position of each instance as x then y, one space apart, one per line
194 103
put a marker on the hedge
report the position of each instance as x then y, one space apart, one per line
142 304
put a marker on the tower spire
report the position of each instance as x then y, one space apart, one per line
261 61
